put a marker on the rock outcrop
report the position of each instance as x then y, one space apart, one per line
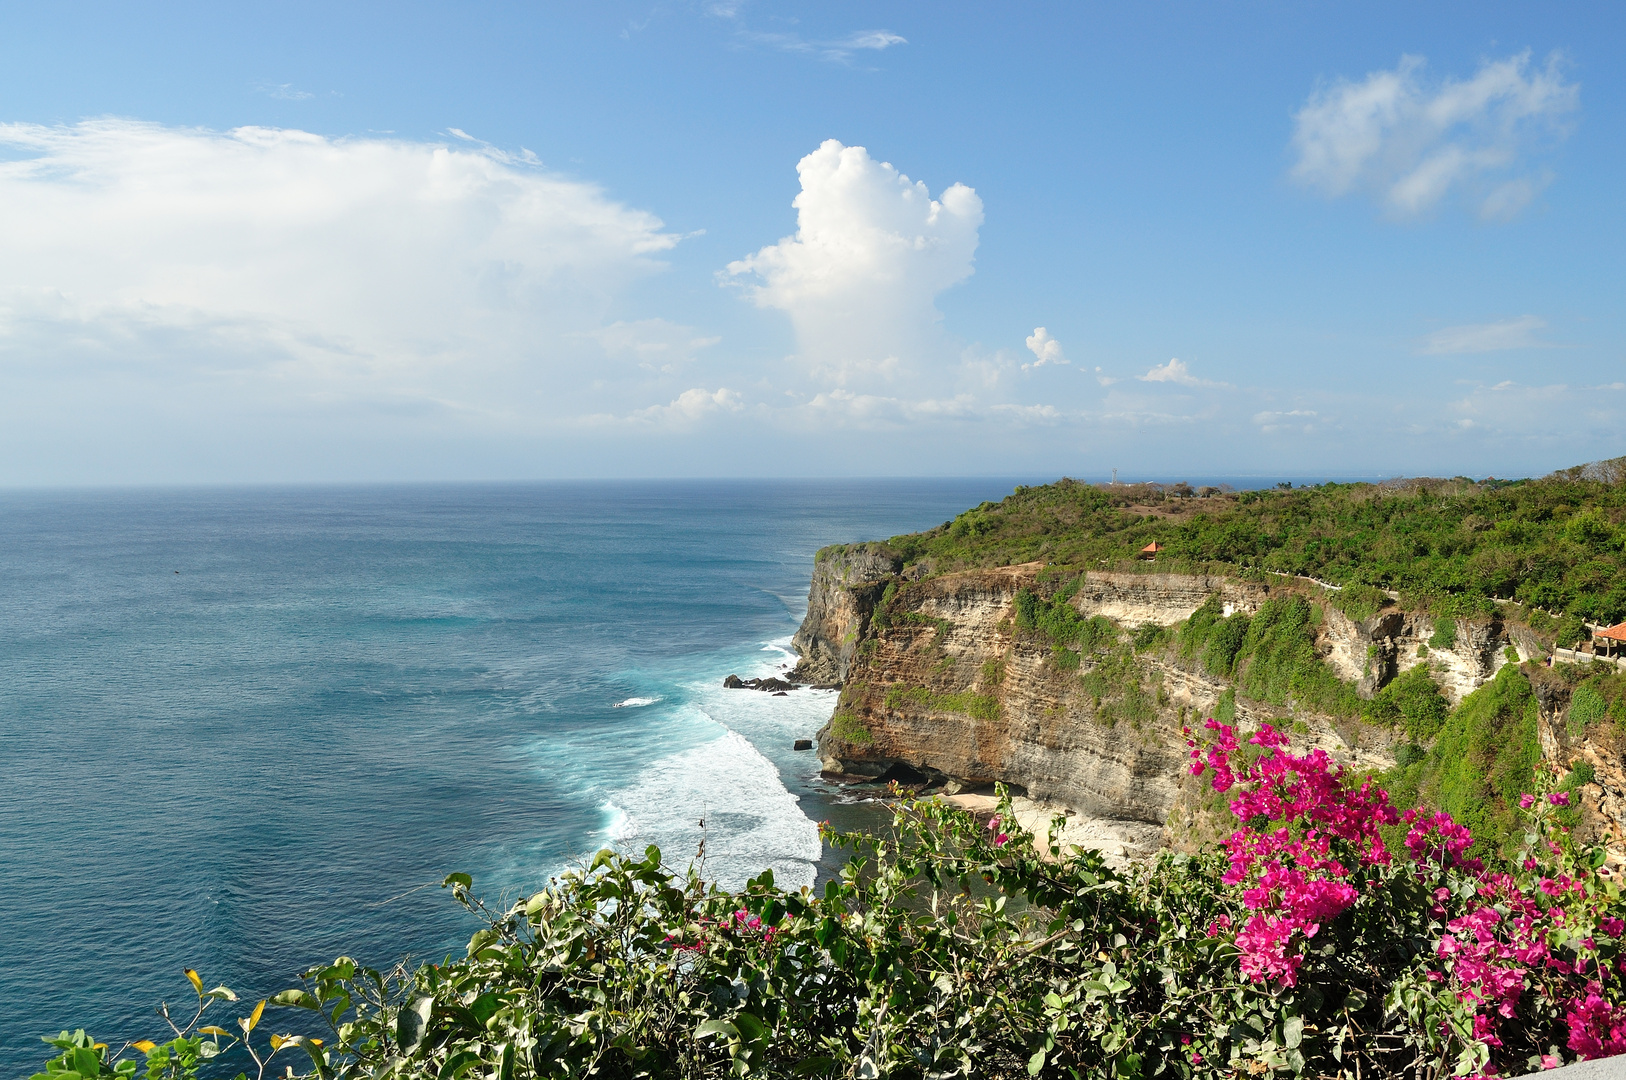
846 583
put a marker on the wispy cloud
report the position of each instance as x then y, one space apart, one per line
283 91
1045 349
1517 333
653 344
839 51
1176 371
1290 420
1409 144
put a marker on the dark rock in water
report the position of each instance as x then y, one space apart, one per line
802 744
780 693
777 686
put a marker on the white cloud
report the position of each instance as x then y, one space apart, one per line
860 277
1046 349
1176 371
1409 145
1517 333
691 406
874 39
261 265
1291 420
1104 379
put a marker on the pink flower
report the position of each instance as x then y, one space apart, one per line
1219 926
1001 840
1559 798
1612 926
1548 1061
1526 801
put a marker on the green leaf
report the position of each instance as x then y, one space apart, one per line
314 1049
454 880
1292 1031
457 1064
750 1027
296 998
1036 1063
411 1022
716 1027
505 1070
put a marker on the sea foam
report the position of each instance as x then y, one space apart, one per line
725 793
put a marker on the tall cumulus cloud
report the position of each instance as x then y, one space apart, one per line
860 277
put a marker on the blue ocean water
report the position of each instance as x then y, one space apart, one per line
241 729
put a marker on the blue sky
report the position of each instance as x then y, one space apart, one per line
290 243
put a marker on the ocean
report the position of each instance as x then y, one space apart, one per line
248 730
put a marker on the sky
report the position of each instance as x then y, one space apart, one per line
330 243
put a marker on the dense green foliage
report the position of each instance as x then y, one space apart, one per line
1271 655
1485 757
1555 543
1412 701
1060 621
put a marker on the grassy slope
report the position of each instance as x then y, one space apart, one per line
1451 546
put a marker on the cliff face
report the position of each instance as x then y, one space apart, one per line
941 684
846 584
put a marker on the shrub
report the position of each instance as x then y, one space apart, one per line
1413 700
1359 602
1304 945
1485 758
1445 634
1571 631
1587 707
848 726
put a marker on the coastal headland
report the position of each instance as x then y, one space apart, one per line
1075 679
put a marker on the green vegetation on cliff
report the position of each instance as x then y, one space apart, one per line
1558 543
1270 655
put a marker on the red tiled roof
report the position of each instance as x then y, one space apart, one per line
1154 547
1614 633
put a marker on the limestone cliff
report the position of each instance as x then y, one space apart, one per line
846 584
940 683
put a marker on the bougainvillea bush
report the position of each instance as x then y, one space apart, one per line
1327 936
